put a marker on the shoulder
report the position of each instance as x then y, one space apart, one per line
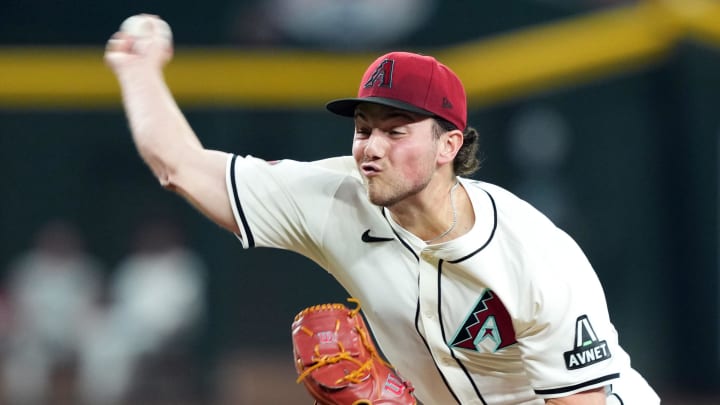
512 213
503 198
495 191
292 179
344 165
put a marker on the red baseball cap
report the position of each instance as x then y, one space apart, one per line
410 82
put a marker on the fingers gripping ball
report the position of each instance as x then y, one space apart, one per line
338 362
145 26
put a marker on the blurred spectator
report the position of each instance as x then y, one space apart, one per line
53 293
332 24
156 301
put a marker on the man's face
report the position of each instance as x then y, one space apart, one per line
395 151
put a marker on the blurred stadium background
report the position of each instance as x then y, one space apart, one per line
605 114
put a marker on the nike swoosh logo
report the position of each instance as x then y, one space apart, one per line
366 237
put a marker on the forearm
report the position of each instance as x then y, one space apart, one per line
160 132
166 142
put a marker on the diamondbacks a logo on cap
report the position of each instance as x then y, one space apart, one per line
488 328
588 348
382 76
446 103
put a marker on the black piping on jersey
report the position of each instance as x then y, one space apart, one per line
382 212
492 233
439 300
417 311
563 390
417 314
618 398
613 394
442 330
427 346
250 240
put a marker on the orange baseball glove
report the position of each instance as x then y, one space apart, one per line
337 361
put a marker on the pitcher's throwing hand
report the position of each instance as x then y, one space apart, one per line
142 39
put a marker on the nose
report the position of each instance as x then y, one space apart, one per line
375 145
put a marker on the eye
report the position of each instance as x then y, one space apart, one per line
397 131
362 131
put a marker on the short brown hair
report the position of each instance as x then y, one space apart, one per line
466 161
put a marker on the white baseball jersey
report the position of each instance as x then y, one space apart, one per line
509 313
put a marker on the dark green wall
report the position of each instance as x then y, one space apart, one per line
640 176
640 180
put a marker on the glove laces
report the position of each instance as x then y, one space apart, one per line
356 376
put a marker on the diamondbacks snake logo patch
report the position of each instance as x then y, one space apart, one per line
588 348
487 328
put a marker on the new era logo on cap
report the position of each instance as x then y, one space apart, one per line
411 82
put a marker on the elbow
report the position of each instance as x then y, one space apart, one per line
171 170
162 168
166 183
166 176
166 155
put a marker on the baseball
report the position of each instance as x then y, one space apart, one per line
143 25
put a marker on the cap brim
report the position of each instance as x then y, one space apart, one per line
346 106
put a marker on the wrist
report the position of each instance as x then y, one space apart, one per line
137 74
140 70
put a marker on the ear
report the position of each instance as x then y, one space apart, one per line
448 145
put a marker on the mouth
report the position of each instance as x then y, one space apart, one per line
369 169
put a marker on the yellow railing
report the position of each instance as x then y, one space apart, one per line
494 69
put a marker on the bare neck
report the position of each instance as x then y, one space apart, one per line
437 214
